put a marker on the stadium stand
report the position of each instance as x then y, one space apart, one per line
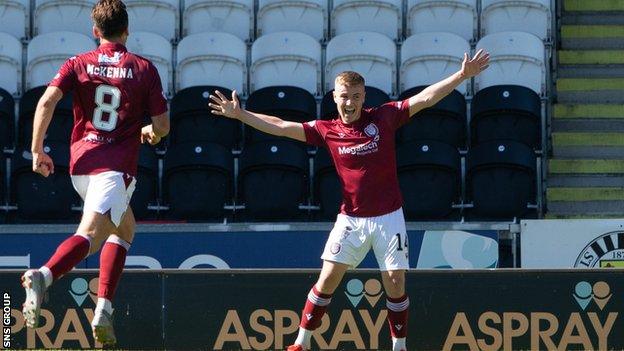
374 97
15 18
61 124
230 16
59 15
10 64
158 50
7 119
146 187
309 17
531 16
327 187
161 17
455 16
384 17
212 59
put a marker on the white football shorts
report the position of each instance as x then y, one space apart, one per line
106 191
352 238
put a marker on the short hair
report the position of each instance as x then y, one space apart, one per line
349 78
110 17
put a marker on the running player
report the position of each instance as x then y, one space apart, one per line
113 90
362 145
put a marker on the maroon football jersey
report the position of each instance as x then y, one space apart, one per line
113 91
364 155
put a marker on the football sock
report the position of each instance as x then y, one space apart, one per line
112 260
71 251
312 314
397 317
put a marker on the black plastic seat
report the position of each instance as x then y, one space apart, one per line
61 124
146 189
506 112
198 180
501 180
430 179
7 117
445 121
374 97
327 187
273 180
191 120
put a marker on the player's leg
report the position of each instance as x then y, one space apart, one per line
398 307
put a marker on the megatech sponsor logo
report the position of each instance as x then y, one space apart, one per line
605 251
548 331
356 326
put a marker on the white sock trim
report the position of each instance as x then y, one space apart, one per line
114 239
317 300
47 276
397 306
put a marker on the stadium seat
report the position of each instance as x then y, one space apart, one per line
453 16
307 16
146 188
373 55
7 118
191 120
212 59
532 16
61 15
10 64
286 58
506 112
229 16
500 180
273 180
197 180
327 187
444 122
43 198
158 50
374 97
289 103
15 18
60 128
156 16
427 58
516 58
430 179
383 17
48 52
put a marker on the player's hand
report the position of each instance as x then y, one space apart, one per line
42 164
476 65
223 107
148 135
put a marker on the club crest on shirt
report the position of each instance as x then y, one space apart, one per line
105 59
371 130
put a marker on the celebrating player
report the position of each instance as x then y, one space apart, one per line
113 91
361 143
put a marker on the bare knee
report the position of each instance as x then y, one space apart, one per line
330 277
394 283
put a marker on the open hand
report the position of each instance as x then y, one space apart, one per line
476 65
223 107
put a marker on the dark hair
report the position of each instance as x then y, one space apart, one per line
110 17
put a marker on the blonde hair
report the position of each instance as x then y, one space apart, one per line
349 78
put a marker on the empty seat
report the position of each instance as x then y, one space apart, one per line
506 112
48 52
383 17
273 180
39 198
453 16
532 16
156 16
62 15
10 64
197 180
212 59
192 121
7 117
2 185
60 128
289 103
307 16
286 58
444 122
327 187
158 50
15 18
230 16
146 188
516 58
430 179
374 97
373 55
427 58
500 180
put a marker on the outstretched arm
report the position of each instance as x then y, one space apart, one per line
42 163
220 105
434 93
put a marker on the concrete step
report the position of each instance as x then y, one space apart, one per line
603 152
587 125
575 111
586 166
590 71
591 17
574 194
589 209
591 57
575 37
593 5
585 180
588 118
590 90
588 145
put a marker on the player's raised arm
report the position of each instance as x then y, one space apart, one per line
42 163
220 105
434 93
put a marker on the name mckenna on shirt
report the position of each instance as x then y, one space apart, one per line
110 72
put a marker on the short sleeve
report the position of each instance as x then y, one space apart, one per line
157 103
312 133
396 112
65 79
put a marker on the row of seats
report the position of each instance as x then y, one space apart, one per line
294 59
313 17
273 180
506 112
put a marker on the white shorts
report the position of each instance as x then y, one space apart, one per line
104 192
352 238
